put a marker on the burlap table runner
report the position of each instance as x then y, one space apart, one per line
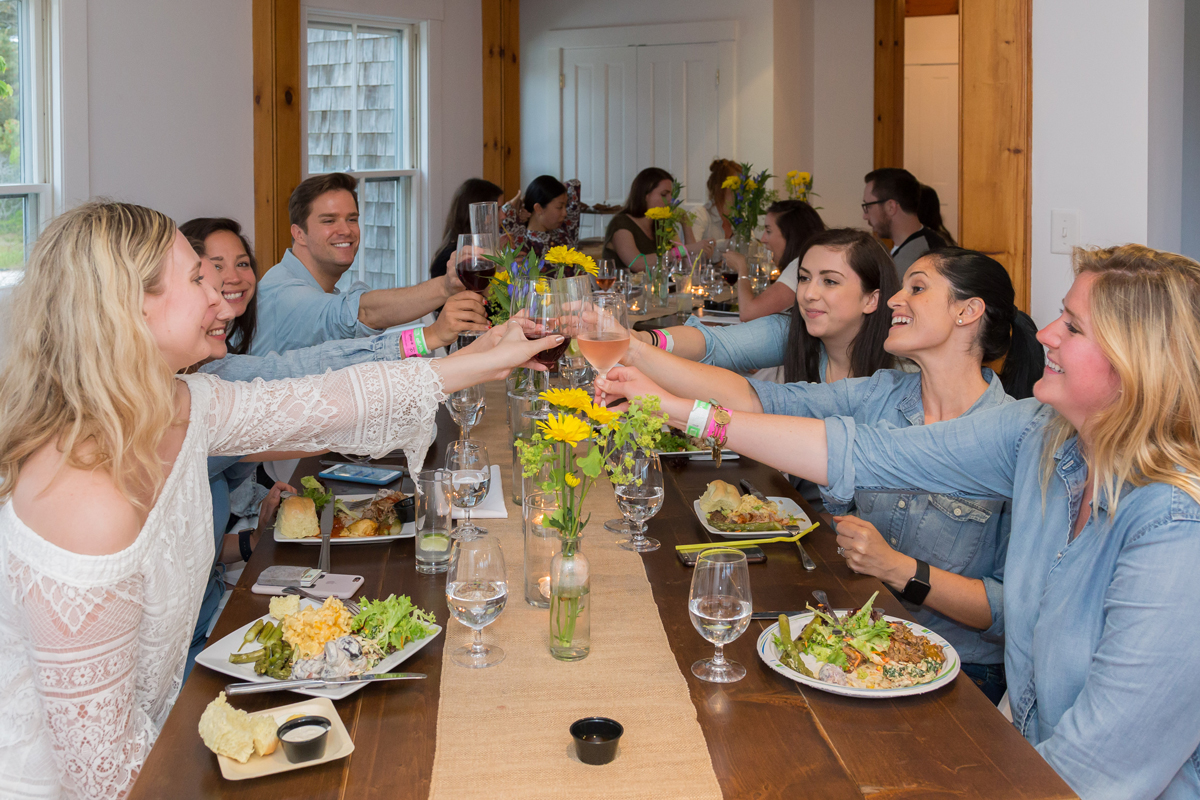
502 731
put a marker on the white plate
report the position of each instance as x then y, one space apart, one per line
699 455
769 653
407 531
338 743
216 657
786 506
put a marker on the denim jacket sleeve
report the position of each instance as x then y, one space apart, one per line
973 455
753 345
847 397
1133 724
294 315
314 360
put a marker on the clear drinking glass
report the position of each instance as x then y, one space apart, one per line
465 339
606 274
541 544
466 407
485 220
434 509
476 592
468 460
474 269
720 605
616 457
603 330
640 499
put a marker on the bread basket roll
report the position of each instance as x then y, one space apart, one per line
298 518
719 496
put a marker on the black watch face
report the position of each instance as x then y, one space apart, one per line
916 591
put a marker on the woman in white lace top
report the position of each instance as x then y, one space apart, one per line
105 531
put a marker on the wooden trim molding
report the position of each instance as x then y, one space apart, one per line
277 87
889 83
995 134
502 94
929 8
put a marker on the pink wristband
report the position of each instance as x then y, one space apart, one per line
408 344
660 338
710 432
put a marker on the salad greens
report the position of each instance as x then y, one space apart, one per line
392 623
315 491
824 637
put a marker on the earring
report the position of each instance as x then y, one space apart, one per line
960 320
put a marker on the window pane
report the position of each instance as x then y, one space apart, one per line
11 122
378 53
17 226
383 249
330 98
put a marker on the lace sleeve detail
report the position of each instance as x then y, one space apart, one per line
368 409
83 652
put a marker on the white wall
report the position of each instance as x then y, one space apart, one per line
1191 133
1090 131
539 74
1165 178
169 106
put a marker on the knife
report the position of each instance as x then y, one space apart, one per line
774 615
317 683
326 532
805 561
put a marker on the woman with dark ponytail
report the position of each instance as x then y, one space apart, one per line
953 314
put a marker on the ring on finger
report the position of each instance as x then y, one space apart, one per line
841 551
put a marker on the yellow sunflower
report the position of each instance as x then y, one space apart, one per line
571 480
805 177
658 212
502 277
559 254
574 399
585 262
751 184
565 428
732 182
599 414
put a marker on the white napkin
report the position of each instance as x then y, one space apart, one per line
493 506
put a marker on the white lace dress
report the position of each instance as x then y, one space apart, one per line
92 648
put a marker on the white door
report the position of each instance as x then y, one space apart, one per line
931 108
679 112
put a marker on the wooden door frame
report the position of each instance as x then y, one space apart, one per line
277 87
995 123
502 94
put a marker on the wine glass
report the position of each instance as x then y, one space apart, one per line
466 407
476 592
720 605
606 274
616 458
548 315
465 339
467 459
485 219
603 330
639 499
474 269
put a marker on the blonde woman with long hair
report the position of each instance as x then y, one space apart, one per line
106 531
1103 467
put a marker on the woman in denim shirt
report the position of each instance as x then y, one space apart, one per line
1104 471
954 313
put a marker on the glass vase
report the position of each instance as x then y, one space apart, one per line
541 545
524 410
570 602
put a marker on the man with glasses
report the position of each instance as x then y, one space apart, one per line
890 198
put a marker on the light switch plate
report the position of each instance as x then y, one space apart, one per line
1064 231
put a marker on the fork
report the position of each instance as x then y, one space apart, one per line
350 605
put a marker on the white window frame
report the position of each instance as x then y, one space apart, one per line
414 142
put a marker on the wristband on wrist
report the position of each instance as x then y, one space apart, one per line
668 341
716 431
419 338
698 419
660 338
654 339
408 344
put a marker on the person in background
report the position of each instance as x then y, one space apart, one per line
546 216
458 219
299 302
954 313
787 224
890 200
929 211
716 211
629 238
835 328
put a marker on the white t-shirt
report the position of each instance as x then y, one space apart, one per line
790 276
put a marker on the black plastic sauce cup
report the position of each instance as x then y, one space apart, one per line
308 749
596 739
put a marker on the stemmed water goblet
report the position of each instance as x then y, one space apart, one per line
466 407
640 496
476 593
467 460
719 605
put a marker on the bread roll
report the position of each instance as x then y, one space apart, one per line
298 518
719 496
233 733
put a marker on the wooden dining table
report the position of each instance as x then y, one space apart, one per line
767 736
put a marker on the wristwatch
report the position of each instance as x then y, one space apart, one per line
247 551
917 588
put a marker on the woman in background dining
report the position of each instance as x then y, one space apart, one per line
629 238
716 211
929 213
545 216
787 223
458 218
96 612
1103 469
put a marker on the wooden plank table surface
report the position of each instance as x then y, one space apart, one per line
767 736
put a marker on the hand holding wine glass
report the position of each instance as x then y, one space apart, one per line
474 268
476 593
720 605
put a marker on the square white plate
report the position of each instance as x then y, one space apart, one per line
408 531
338 743
786 506
216 657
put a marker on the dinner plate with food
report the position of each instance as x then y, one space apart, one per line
675 443
858 652
358 518
724 511
303 639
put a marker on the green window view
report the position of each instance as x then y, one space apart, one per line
15 211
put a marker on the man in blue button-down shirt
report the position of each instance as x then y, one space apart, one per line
299 304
